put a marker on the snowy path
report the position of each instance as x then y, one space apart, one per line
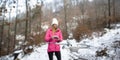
97 43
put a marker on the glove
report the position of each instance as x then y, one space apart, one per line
58 41
55 37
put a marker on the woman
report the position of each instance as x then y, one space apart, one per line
53 36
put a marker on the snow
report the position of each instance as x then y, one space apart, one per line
20 37
76 51
90 0
18 51
38 54
49 1
21 7
45 27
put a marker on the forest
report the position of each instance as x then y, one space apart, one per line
30 20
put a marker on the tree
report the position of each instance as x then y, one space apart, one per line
3 8
109 14
65 18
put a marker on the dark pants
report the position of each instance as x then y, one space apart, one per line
57 53
15 55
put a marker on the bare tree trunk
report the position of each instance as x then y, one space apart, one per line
15 28
9 29
40 20
30 19
8 38
2 33
40 15
109 14
113 4
2 27
65 17
96 12
82 10
26 26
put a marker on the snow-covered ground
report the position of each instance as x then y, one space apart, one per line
84 50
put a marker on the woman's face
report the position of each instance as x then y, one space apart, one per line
54 26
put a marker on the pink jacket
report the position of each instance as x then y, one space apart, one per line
51 42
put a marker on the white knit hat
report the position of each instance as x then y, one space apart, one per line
54 21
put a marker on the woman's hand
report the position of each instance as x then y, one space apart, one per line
55 37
